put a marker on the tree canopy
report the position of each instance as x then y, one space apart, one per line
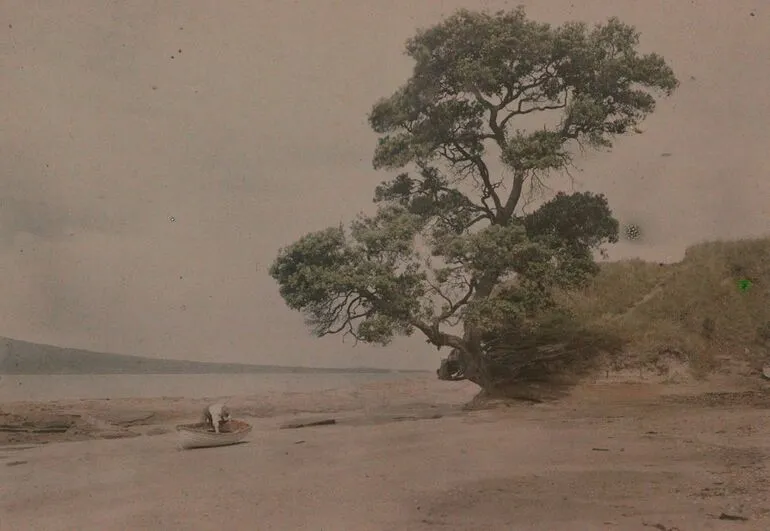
447 246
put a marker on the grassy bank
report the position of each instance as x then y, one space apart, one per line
694 312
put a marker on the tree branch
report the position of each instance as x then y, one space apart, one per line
520 111
498 133
489 189
487 212
350 315
513 199
437 337
454 307
440 293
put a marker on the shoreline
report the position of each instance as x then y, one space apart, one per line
68 420
405 455
71 420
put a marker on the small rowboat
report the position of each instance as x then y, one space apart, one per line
200 435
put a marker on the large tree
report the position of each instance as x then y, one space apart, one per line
448 253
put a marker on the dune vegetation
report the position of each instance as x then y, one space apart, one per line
708 310
706 314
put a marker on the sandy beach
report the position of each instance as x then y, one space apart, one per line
405 455
158 155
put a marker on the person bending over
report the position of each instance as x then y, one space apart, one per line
215 416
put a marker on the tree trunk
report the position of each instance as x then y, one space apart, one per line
451 369
465 364
476 367
467 360
475 364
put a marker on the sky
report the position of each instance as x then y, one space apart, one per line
155 155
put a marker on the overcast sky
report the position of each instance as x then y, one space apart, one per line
156 154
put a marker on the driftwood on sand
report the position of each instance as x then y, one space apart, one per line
308 423
50 427
37 423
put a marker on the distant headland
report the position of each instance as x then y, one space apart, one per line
22 357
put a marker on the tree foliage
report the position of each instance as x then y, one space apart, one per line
446 246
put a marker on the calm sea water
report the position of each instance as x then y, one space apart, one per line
61 387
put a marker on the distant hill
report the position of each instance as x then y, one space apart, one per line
22 357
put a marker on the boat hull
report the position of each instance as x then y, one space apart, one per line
198 435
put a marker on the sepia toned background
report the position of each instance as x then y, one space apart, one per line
155 155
